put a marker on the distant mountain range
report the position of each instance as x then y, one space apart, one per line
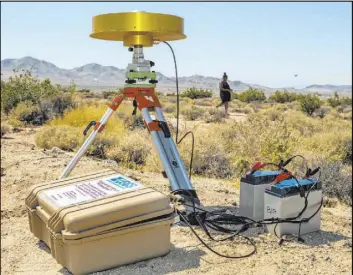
97 77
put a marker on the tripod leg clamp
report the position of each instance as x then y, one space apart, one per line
92 123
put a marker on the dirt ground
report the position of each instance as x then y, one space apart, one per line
326 252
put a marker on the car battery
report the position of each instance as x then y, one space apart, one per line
252 189
100 221
283 201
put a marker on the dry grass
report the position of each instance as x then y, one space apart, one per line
131 149
214 115
62 136
222 149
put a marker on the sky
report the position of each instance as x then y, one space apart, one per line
256 43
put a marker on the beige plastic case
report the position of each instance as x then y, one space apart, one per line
99 221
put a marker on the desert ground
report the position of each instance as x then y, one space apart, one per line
328 251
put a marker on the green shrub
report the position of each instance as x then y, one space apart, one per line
31 101
258 138
336 101
283 97
194 93
56 105
110 94
251 95
309 103
26 113
25 87
346 101
84 91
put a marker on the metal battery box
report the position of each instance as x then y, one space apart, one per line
283 201
100 220
252 189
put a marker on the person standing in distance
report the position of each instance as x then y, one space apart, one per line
225 93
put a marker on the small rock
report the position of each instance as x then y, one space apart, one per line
56 150
110 162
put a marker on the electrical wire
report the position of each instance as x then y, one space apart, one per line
177 113
177 89
216 220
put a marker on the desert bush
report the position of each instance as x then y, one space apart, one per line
203 102
336 101
26 113
211 156
295 105
56 105
283 96
169 108
346 101
77 120
214 115
244 110
258 138
337 183
132 149
110 94
25 87
333 145
194 93
134 122
322 112
257 107
64 137
272 114
192 113
83 91
309 103
5 129
31 101
340 109
251 95
173 99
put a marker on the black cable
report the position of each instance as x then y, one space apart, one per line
245 222
177 111
177 89
215 224
192 150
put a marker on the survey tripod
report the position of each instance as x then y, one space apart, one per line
138 30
